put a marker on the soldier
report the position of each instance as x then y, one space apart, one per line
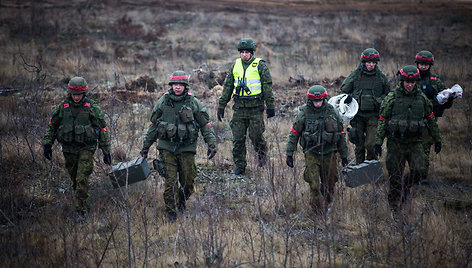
319 129
431 85
368 85
175 121
402 120
250 84
77 123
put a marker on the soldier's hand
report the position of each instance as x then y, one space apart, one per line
220 114
211 151
144 152
47 151
378 149
348 99
344 161
270 113
107 159
437 147
289 161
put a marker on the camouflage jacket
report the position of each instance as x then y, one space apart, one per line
78 126
266 81
431 85
176 120
319 130
368 89
412 113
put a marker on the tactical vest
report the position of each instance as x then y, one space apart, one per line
177 123
429 86
321 130
249 77
407 117
77 129
367 88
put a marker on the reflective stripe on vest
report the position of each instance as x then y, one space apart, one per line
251 77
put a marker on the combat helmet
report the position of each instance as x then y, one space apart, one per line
409 73
77 85
370 54
424 56
179 77
317 93
247 44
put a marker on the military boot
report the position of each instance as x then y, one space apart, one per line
238 171
171 216
262 159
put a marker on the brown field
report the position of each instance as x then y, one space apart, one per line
127 49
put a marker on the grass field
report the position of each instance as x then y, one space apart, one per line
127 49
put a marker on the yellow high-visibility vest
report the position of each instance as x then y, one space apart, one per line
251 77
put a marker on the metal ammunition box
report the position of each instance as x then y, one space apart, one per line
369 171
129 172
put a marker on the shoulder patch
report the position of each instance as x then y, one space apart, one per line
87 104
433 78
66 105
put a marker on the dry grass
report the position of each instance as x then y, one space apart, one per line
261 219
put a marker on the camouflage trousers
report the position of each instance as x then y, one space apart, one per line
427 143
397 155
180 173
80 166
362 135
248 120
320 173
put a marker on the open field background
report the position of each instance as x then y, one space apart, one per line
127 49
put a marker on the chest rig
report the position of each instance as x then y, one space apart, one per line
177 123
321 129
76 126
407 118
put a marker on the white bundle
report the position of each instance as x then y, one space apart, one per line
347 111
455 91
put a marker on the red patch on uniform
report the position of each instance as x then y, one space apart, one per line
433 78
87 104
103 130
66 105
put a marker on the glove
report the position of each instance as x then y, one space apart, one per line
437 147
270 113
348 99
47 151
211 151
289 161
144 152
107 159
220 114
344 161
378 149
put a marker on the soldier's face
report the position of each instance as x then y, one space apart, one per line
370 65
409 86
77 97
423 66
245 54
318 103
178 89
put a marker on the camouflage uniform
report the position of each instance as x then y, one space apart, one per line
431 85
175 121
248 112
404 116
320 133
78 126
368 89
